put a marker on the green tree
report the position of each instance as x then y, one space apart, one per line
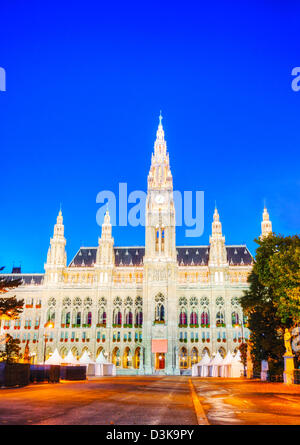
11 352
10 308
272 300
243 350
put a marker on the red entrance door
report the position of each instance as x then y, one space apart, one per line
161 361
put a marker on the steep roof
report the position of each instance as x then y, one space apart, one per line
186 256
27 278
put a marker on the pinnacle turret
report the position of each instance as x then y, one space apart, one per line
160 177
56 257
266 224
217 253
105 251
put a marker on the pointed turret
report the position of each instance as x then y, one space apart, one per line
217 253
56 257
160 176
105 252
266 224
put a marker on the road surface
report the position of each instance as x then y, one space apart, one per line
151 401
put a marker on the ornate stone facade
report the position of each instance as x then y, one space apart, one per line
152 309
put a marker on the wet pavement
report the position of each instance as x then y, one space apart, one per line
132 400
248 402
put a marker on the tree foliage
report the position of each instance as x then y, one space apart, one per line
272 301
11 351
10 308
243 351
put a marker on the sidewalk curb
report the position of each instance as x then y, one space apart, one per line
201 416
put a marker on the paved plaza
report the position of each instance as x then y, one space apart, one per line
151 401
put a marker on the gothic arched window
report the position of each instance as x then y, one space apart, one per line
68 317
182 318
219 318
118 317
156 240
160 312
194 318
102 316
128 319
204 318
162 240
139 317
89 318
234 318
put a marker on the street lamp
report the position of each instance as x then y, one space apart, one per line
49 325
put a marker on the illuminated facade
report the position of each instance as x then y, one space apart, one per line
151 309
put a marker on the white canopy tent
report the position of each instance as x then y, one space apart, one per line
203 365
237 367
70 359
101 359
214 365
226 365
85 359
103 367
90 365
195 370
54 359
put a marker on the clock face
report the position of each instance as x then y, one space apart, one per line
159 199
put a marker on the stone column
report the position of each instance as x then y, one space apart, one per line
288 374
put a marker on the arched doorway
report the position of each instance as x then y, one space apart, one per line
116 359
74 351
194 356
137 356
85 349
63 352
48 352
222 352
160 360
183 358
127 358
99 350
205 351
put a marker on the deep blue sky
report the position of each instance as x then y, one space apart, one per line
85 83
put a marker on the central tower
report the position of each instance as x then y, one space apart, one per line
160 211
160 265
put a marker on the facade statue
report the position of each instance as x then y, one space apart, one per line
287 342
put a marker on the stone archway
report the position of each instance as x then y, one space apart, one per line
136 358
127 358
74 351
116 357
48 353
205 350
99 350
63 351
183 358
85 348
194 356
222 352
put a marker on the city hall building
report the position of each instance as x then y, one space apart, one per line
151 309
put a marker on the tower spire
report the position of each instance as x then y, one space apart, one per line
105 252
56 257
217 253
160 208
266 224
160 176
